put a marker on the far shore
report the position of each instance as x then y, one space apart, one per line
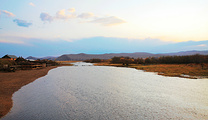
192 71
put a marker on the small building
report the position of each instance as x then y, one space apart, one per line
10 57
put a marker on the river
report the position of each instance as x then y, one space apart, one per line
91 92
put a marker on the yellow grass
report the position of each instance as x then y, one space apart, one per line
179 70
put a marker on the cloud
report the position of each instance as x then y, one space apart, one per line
12 42
66 14
22 23
12 39
71 10
7 13
108 21
46 17
86 15
202 45
61 14
32 4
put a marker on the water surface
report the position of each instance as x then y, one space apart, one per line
85 92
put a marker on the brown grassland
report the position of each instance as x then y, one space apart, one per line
175 70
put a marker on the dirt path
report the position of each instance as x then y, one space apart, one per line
11 82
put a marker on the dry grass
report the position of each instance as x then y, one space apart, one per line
193 70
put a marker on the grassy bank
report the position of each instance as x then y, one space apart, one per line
175 70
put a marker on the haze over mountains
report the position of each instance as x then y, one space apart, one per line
82 56
97 45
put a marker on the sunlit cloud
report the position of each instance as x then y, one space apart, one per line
108 21
202 45
12 42
66 14
22 23
86 15
71 10
12 39
32 4
7 13
46 17
62 14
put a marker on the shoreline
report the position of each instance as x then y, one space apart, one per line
11 82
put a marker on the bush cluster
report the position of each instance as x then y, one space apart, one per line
197 59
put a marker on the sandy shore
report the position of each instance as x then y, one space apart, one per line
11 82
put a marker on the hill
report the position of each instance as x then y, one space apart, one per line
35 58
82 56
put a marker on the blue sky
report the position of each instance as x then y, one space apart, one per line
51 27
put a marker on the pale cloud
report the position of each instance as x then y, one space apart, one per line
71 10
7 13
108 21
32 4
66 14
46 17
202 45
12 41
62 14
22 23
86 15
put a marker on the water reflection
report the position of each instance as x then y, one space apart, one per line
95 92
82 64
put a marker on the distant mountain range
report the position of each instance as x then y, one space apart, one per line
82 56
35 58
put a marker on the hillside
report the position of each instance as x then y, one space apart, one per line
35 58
82 56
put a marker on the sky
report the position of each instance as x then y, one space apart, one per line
51 27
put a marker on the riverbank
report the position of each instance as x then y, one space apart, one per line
11 82
192 71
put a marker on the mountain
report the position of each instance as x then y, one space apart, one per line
82 56
31 58
188 53
49 58
35 58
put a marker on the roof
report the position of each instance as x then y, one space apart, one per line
9 56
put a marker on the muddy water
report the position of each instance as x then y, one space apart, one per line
85 92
